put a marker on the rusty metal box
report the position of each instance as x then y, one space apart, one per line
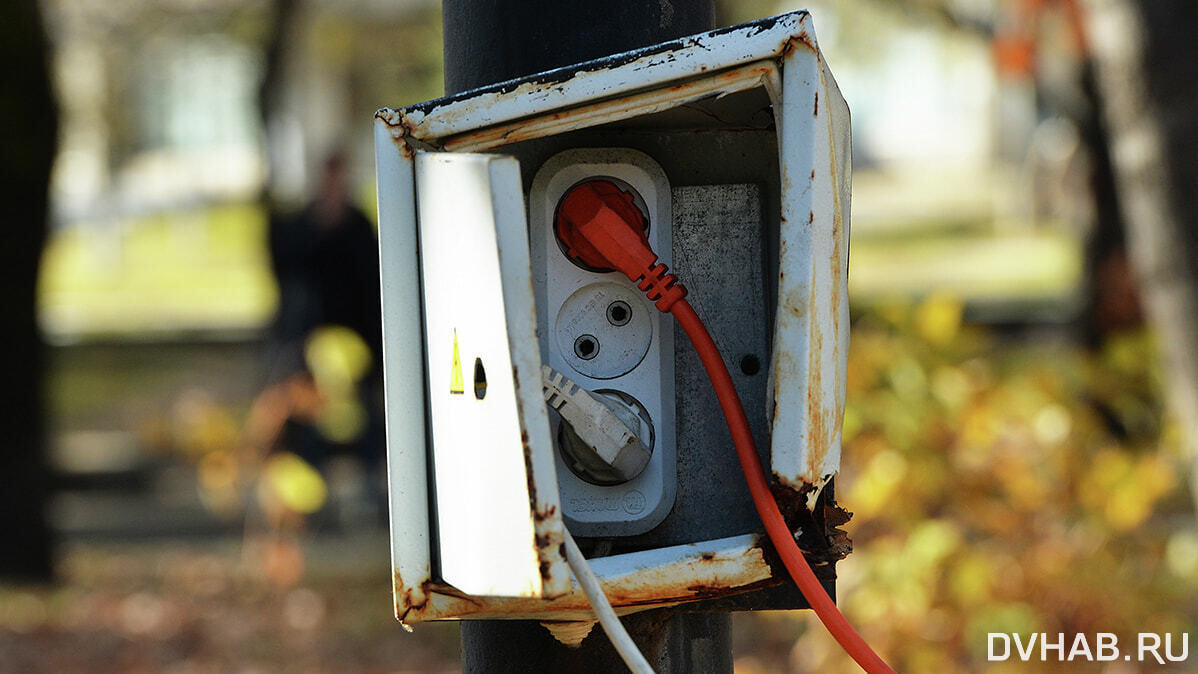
753 133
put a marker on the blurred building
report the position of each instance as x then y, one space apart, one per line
964 179
161 123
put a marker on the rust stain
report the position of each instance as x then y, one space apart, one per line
786 370
468 104
837 270
409 599
390 116
835 517
547 540
705 576
791 43
817 422
708 575
815 112
400 130
603 110
532 485
697 592
405 149
816 530
793 303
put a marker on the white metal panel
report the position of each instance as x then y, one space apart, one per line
403 374
811 325
493 459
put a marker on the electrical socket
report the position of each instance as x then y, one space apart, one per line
585 335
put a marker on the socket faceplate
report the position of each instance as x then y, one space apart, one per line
636 357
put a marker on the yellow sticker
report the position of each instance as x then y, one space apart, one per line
455 376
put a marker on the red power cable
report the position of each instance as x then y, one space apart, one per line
763 500
594 214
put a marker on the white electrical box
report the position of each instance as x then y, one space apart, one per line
478 296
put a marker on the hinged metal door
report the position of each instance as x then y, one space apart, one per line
497 514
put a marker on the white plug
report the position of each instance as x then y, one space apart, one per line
609 429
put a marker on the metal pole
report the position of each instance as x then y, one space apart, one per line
488 41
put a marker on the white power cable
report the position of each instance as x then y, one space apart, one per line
603 611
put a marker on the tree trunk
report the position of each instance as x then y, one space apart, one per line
28 117
1147 61
283 16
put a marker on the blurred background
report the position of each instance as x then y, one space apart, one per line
1018 434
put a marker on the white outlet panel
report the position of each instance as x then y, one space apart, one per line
636 358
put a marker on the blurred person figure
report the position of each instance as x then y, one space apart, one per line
323 395
326 262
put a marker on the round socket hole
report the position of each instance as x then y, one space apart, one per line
619 313
750 365
586 347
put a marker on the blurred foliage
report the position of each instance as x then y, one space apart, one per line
288 482
999 485
338 360
200 607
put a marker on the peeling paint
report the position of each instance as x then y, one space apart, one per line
817 422
621 74
613 109
815 519
634 581
810 338
410 598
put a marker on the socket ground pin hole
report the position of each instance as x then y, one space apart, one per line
619 313
586 347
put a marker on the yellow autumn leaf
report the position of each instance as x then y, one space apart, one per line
294 483
938 318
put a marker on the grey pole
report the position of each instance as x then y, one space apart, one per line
489 41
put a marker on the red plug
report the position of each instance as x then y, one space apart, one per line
602 228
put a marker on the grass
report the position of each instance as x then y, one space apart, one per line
164 273
208 270
980 268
